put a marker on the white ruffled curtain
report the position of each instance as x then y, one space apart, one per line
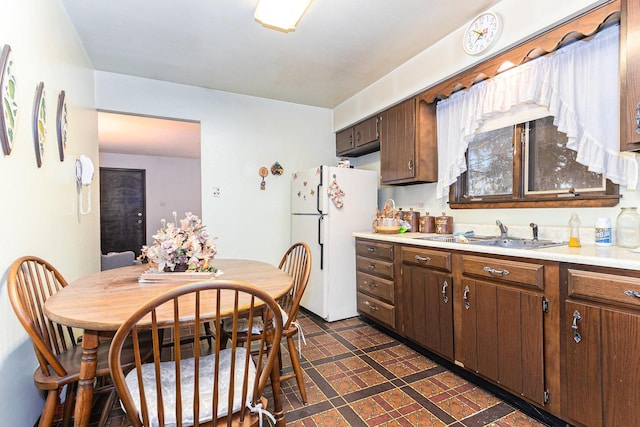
579 87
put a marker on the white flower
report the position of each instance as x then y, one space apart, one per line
188 244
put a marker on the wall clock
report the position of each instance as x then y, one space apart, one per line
8 104
39 122
482 33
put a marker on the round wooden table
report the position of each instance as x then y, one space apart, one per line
102 301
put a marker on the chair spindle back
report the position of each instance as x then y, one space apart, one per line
189 385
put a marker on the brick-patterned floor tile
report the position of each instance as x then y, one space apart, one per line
356 375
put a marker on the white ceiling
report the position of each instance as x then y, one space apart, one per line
339 47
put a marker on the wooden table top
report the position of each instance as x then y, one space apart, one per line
103 301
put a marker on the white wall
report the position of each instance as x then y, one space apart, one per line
39 214
164 193
239 135
420 73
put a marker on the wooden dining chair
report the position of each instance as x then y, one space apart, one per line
192 386
297 263
30 282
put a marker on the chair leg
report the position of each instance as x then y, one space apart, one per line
295 364
49 410
106 409
69 403
208 332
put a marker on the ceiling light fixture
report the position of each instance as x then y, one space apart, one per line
282 14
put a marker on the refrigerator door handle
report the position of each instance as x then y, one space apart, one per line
318 208
320 218
318 193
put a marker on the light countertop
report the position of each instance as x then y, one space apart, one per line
587 254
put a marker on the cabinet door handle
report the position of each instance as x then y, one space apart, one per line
358 136
371 306
630 293
638 118
372 267
576 335
378 119
422 258
494 271
370 284
465 297
410 164
371 250
445 298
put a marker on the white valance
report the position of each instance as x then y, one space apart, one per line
579 87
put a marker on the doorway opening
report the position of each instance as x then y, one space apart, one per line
167 152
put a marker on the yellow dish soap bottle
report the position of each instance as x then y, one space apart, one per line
574 231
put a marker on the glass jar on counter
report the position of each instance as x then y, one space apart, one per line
628 228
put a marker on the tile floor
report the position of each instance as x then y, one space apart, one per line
357 375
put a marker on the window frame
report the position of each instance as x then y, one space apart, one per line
458 199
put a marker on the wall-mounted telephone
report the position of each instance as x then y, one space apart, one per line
84 170
84 176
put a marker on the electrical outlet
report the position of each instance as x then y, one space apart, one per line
216 191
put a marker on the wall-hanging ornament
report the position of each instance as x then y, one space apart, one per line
276 169
8 104
263 173
335 193
39 122
61 124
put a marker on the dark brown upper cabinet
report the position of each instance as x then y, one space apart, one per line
362 138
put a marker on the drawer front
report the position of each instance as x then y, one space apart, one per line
604 287
521 273
375 267
376 310
375 286
380 250
427 258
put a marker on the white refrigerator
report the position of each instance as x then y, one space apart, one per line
327 205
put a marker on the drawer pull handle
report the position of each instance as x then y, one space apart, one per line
445 298
576 335
465 297
372 267
371 306
371 284
422 258
372 250
494 271
630 293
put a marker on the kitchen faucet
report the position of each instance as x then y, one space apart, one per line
534 229
503 229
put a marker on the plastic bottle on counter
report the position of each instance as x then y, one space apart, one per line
574 231
603 232
628 228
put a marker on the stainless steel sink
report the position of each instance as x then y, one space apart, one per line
509 242
517 243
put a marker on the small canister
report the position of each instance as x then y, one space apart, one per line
427 223
413 218
603 232
444 224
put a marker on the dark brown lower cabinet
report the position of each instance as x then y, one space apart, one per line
601 330
428 309
503 337
501 311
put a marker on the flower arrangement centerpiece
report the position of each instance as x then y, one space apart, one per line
183 247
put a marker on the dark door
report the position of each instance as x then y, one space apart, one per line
122 210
